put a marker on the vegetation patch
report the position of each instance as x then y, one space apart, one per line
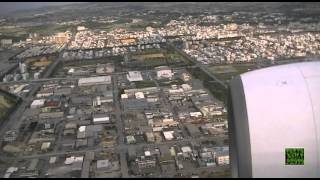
7 104
144 84
215 88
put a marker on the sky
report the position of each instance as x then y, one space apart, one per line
9 7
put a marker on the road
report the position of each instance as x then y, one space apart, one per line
16 118
120 128
42 80
124 147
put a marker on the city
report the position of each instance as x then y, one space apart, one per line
133 94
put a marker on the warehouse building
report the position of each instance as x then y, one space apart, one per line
94 81
164 72
133 76
38 103
101 118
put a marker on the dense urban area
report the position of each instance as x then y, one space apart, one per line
138 94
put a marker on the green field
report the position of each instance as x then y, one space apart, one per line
21 33
222 69
223 174
151 58
6 104
165 82
227 72
46 30
144 84
216 89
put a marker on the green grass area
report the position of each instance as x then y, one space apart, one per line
98 25
242 68
50 29
6 105
215 88
16 34
125 23
166 82
176 60
21 33
144 84
227 72
15 38
226 76
223 174
60 72
142 25
170 58
222 69
112 59
147 64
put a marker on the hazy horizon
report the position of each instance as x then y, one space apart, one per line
9 7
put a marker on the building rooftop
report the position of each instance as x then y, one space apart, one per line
94 80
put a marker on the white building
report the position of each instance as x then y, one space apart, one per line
101 118
94 81
23 67
185 77
186 87
139 95
195 114
124 96
134 76
73 159
222 159
164 72
168 135
38 103
81 28
6 42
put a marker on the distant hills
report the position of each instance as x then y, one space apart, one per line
10 8
114 8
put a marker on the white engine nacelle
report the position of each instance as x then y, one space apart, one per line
274 121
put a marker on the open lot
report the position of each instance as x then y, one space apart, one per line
6 104
227 72
149 59
87 67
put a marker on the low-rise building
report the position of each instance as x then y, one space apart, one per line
164 72
131 139
101 118
150 137
185 77
94 81
133 76
62 91
146 162
222 155
168 135
49 115
38 103
45 93
165 155
6 42
193 130
105 68
45 146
